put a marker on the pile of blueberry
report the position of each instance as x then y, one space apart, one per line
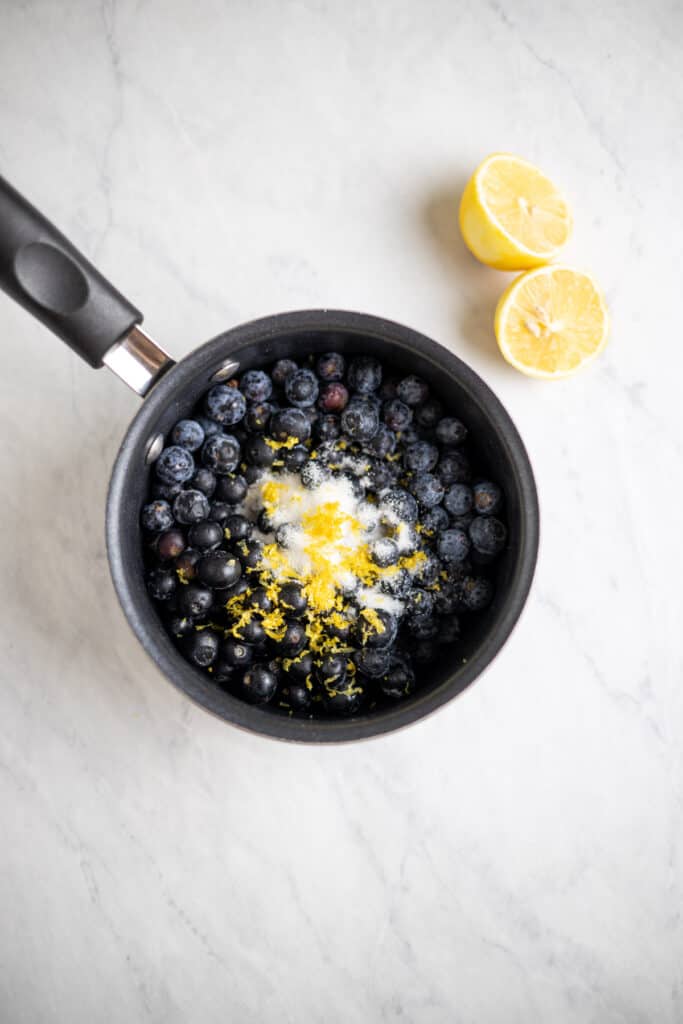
203 552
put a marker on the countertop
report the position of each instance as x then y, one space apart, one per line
517 857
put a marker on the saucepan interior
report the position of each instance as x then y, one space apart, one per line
499 451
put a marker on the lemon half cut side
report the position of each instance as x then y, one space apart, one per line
551 321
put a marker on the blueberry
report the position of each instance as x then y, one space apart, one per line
191 507
330 366
446 599
360 420
258 453
236 653
428 489
294 639
420 603
286 423
427 571
258 684
399 681
301 388
396 584
283 369
371 662
165 491
231 489
175 465
264 521
341 628
332 671
293 599
387 389
237 527
253 474
421 457
298 696
156 516
423 627
220 511
225 405
252 632
347 701
429 413
399 504
453 545
194 599
180 625
383 443
412 390
488 535
185 565
409 435
161 584
251 554
221 453
453 467
219 569
210 427
202 648
237 589
380 477
463 522
365 374
458 500
300 668
327 428
204 480
377 630
396 414
450 431
475 593
434 520
260 601
188 434
170 544
333 398
205 536
384 552
256 386
488 498
258 416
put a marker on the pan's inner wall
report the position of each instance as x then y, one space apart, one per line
496 450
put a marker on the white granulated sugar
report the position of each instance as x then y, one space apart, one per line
358 526
405 538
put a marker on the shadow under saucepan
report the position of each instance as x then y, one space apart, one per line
476 288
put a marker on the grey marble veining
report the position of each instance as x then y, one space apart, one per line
518 856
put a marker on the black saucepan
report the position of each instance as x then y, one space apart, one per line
43 272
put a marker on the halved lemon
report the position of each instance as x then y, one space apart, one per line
551 321
512 216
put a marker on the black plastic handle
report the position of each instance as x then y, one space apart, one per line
45 274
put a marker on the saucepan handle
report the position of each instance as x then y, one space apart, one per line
42 271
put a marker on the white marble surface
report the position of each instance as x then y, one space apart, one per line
517 857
